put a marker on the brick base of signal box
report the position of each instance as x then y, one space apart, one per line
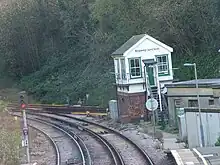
131 106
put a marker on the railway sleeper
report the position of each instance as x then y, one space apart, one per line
103 132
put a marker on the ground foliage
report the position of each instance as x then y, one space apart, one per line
9 138
59 49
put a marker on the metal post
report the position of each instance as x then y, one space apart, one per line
25 133
151 96
159 94
153 115
202 144
146 92
158 88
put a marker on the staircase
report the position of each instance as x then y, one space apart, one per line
161 116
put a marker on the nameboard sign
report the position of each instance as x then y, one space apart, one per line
146 50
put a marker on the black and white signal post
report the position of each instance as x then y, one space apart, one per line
151 103
23 105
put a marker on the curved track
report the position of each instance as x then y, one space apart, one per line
131 153
109 154
65 142
58 158
101 153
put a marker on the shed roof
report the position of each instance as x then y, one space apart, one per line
132 41
191 83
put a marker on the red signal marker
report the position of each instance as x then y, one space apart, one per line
23 106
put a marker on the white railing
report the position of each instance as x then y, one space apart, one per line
123 78
126 78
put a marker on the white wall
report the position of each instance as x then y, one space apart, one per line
148 50
192 130
211 127
116 67
134 88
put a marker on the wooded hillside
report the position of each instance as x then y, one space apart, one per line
55 49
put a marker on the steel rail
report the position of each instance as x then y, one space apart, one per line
59 107
147 157
114 153
58 160
62 130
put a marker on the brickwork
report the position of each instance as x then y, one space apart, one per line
131 106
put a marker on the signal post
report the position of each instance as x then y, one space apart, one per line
23 105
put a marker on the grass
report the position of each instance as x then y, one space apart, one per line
9 138
148 127
3 104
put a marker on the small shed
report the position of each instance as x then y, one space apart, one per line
184 94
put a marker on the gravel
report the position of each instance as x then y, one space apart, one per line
66 146
41 150
149 145
129 154
99 153
152 147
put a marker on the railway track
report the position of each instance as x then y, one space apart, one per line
103 153
131 153
64 140
57 152
60 108
100 150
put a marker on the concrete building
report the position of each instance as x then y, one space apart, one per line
130 73
183 94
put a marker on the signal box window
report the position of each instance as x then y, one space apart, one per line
117 68
162 63
135 67
123 71
177 103
211 102
192 103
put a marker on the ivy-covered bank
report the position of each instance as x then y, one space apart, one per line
61 49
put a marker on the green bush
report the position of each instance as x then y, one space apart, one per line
9 144
10 140
3 105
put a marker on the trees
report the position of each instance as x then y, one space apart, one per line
62 48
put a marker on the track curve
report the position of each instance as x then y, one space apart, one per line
141 156
58 161
64 132
117 159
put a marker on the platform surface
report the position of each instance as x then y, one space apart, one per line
188 157
211 154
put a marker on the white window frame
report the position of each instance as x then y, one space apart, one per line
193 101
123 69
159 64
117 69
130 68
